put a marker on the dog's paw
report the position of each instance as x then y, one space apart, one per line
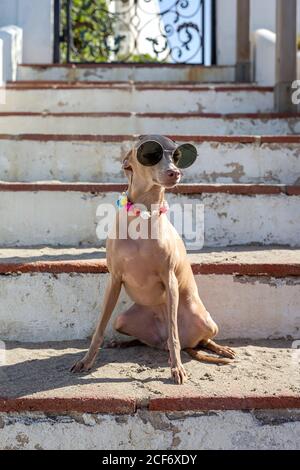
179 374
81 366
225 351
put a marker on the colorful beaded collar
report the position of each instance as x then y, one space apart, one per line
136 210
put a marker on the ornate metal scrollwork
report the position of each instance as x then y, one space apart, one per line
132 31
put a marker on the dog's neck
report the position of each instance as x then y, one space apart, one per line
148 196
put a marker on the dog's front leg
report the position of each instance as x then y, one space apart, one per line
177 368
110 299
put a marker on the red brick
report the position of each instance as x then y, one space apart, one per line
198 403
112 405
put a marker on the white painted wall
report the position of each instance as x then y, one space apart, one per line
133 99
12 41
70 218
27 160
136 123
263 15
222 430
39 307
264 56
1 66
35 17
128 72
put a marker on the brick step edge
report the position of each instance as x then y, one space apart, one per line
241 139
129 114
111 65
278 270
239 189
129 405
129 85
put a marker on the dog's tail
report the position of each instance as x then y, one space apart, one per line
202 357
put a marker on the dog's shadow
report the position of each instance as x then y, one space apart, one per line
51 371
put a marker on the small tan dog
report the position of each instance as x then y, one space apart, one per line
167 312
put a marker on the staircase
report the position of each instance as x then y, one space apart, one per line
63 132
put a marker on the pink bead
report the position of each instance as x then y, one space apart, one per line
129 206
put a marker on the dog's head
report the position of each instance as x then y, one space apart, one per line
165 172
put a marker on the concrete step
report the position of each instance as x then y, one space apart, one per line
128 401
66 213
120 72
136 97
51 294
236 159
149 123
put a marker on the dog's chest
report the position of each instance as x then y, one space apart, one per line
141 270
142 252
139 261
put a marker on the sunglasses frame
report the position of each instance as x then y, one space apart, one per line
163 151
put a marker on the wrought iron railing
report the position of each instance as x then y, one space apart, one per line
133 31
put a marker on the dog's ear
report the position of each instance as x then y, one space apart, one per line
126 161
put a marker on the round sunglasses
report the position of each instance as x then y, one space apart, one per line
151 152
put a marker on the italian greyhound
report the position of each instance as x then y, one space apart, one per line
167 312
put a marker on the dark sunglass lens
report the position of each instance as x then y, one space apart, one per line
185 155
149 153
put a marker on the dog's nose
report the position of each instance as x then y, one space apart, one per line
173 173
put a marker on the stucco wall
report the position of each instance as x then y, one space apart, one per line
46 307
35 17
236 430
